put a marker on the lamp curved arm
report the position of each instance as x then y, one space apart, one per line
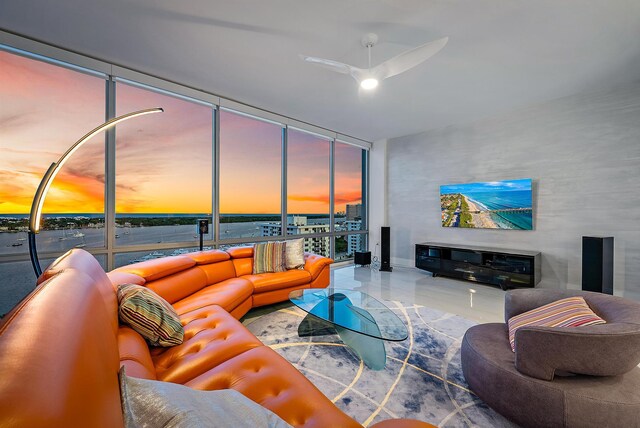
35 214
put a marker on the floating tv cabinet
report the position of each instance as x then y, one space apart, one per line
496 266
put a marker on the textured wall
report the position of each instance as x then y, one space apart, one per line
377 194
583 153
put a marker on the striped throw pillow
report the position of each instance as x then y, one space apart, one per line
269 257
569 312
150 315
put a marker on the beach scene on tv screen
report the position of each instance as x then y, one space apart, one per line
492 205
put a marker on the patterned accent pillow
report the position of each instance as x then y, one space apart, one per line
150 315
569 312
295 254
269 257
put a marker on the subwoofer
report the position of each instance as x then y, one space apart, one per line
597 264
385 249
362 258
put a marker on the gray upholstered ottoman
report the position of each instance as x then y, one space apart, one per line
489 366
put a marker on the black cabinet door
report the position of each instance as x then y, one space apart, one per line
425 259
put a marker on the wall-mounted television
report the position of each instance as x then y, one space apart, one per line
492 205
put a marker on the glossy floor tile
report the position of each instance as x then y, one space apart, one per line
477 302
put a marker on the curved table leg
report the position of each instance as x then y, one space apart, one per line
311 325
370 349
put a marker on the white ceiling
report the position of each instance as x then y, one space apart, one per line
502 54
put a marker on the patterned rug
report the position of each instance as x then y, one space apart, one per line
422 379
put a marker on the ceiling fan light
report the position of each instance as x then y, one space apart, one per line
369 83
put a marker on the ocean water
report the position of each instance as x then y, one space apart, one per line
505 200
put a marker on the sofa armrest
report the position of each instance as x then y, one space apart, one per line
599 350
314 264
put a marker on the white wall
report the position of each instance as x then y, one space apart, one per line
377 193
583 153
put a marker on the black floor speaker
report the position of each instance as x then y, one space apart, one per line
362 258
385 249
597 264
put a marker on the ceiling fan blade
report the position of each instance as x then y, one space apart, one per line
408 59
357 73
328 64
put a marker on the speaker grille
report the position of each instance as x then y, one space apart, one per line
385 249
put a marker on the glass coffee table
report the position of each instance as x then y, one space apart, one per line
361 321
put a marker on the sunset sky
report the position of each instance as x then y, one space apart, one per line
163 161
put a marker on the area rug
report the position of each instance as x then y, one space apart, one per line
422 379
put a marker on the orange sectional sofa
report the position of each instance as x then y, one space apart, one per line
62 346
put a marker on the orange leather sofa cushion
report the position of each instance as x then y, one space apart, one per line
275 281
229 294
212 336
154 269
134 354
268 379
208 256
178 285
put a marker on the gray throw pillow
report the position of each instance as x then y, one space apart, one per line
151 404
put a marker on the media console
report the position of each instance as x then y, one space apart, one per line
497 266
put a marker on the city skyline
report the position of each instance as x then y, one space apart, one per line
154 171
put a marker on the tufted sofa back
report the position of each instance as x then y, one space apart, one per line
69 378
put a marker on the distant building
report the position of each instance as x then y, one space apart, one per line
354 242
297 225
354 212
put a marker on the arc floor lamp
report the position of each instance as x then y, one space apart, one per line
35 215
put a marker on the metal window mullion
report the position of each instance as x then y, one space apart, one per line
367 177
283 174
332 170
364 225
216 177
110 174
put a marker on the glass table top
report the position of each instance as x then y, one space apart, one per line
353 310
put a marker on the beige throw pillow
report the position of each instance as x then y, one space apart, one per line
295 254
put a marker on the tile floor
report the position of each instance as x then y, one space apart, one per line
477 302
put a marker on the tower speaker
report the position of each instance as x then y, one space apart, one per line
597 264
385 249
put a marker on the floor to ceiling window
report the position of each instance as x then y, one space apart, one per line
163 169
349 188
155 175
250 176
308 188
44 109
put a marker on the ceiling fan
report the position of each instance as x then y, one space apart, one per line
370 77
